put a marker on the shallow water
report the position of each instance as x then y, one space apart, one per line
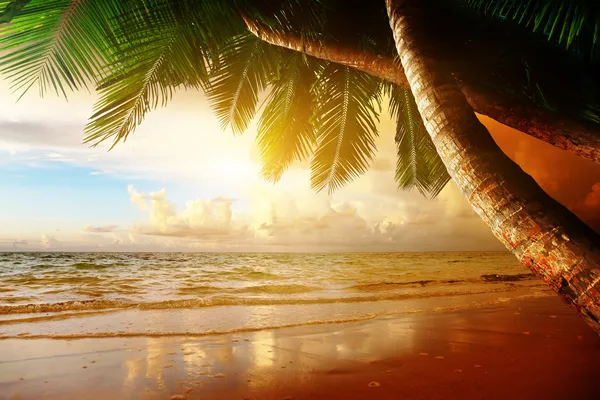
197 293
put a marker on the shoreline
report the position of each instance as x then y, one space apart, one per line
534 348
245 318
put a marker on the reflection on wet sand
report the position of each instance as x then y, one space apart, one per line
262 349
402 355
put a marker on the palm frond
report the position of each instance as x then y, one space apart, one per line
591 112
11 9
418 165
533 90
240 75
346 126
561 21
285 131
218 22
306 17
58 44
158 54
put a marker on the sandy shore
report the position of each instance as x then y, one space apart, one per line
519 350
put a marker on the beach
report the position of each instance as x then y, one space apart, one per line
530 348
456 325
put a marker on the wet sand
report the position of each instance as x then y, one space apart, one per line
522 349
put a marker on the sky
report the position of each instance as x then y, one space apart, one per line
181 183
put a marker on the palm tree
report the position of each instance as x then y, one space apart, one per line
542 233
327 83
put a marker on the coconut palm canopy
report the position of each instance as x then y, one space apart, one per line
298 64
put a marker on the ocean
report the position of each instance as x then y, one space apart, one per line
81 295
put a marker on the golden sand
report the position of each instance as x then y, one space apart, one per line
468 354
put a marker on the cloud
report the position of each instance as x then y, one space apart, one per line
39 134
209 219
197 148
589 207
592 199
341 226
18 243
100 229
370 213
50 242
306 222
137 198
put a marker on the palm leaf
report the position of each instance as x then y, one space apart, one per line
159 53
345 124
285 131
217 22
55 43
562 21
419 165
240 75
304 17
11 9
591 112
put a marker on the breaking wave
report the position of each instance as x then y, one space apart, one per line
217 301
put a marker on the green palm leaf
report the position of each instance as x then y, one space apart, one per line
419 165
562 21
345 124
158 54
240 75
305 17
285 131
11 9
55 43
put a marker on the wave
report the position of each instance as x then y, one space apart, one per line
46 266
77 305
354 319
203 289
90 266
247 273
56 316
82 266
30 279
494 278
279 289
373 287
217 301
266 289
189 334
16 299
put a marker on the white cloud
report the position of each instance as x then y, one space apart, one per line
50 242
18 243
201 219
136 198
100 229
170 144
312 222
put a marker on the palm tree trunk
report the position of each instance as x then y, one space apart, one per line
542 233
566 133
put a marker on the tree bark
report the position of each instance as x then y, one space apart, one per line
578 137
543 234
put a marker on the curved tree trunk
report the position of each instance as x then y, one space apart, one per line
543 234
566 133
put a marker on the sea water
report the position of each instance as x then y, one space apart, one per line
78 295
